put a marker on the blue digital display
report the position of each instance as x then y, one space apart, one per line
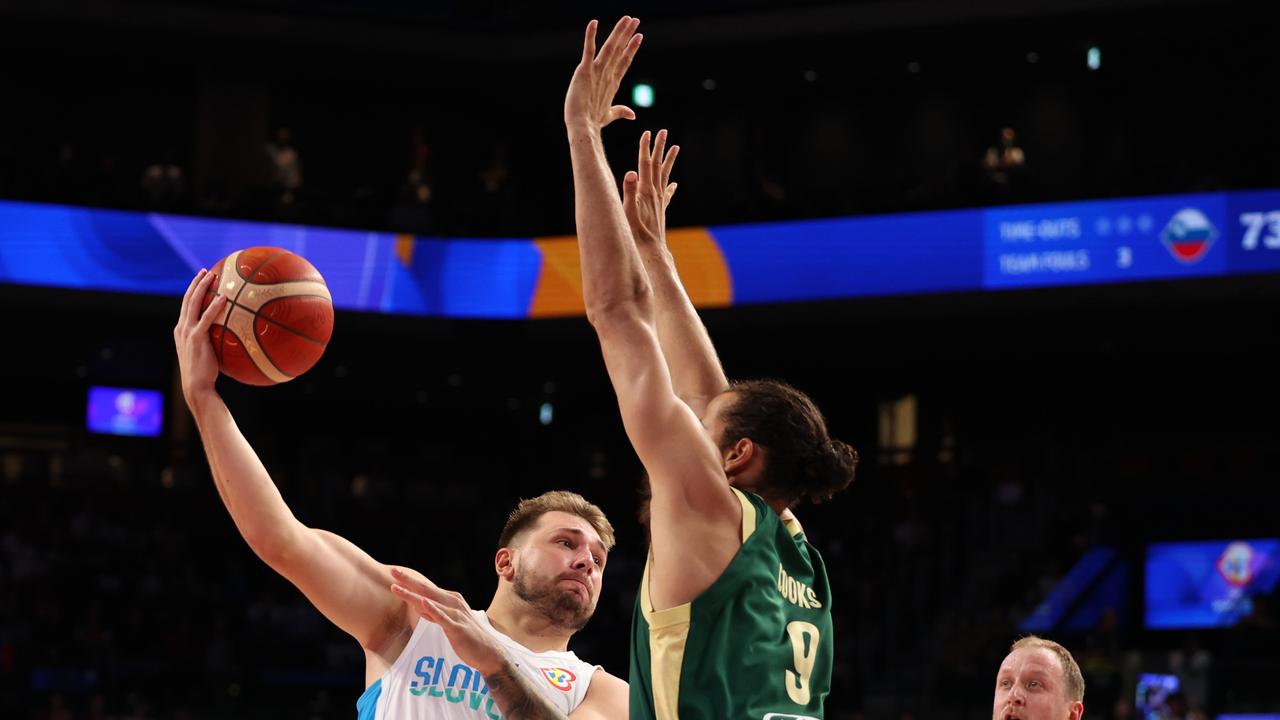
1105 241
1030 246
852 257
1254 220
125 411
1208 584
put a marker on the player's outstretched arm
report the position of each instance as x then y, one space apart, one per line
613 277
342 581
685 470
695 368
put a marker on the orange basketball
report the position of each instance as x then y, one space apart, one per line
278 319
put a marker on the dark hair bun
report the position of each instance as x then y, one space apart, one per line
832 470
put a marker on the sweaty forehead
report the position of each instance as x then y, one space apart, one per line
559 520
1031 660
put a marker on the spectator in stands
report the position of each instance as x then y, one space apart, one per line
414 210
1004 162
67 178
287 167
163 184
495 198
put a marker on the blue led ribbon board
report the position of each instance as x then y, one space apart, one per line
1030 246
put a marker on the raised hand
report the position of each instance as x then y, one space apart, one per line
196 360
474 645
647 191
589 103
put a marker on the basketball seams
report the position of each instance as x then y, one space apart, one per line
243 324
265 378
266 354
263 294
244 282
281 282
286 328
229 262
251 337
241 320
257 314
232 262
265 262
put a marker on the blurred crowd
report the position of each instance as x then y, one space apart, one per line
128 595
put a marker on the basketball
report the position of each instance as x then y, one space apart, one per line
278 319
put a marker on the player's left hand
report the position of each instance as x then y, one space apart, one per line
474 645
647 190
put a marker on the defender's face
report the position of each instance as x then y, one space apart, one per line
1030 686
560 567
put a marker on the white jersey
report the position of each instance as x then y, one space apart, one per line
429 682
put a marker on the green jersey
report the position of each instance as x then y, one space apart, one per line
756 645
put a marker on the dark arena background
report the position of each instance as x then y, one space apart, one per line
1078 436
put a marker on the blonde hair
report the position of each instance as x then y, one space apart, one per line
528 511
1072 678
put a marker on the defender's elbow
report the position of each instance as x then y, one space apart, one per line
634 302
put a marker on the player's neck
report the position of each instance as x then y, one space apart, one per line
532 630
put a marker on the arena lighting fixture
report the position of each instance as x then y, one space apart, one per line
1094 57
642 95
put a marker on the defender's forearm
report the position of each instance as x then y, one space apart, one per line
613 274
695 368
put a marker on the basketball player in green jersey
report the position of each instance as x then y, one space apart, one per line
733 618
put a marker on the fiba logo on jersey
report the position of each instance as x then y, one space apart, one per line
1188 235
1235 564
559 678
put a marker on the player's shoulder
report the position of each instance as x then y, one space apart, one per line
607 679
608 696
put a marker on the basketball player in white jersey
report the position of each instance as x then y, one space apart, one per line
427 655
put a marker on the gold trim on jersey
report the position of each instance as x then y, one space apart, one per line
748 514
669 631
793 527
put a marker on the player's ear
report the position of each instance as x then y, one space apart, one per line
1077 711
739 456
504 563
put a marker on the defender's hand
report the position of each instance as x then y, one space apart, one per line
589 103
647 191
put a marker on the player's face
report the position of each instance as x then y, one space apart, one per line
1030 686
559 568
